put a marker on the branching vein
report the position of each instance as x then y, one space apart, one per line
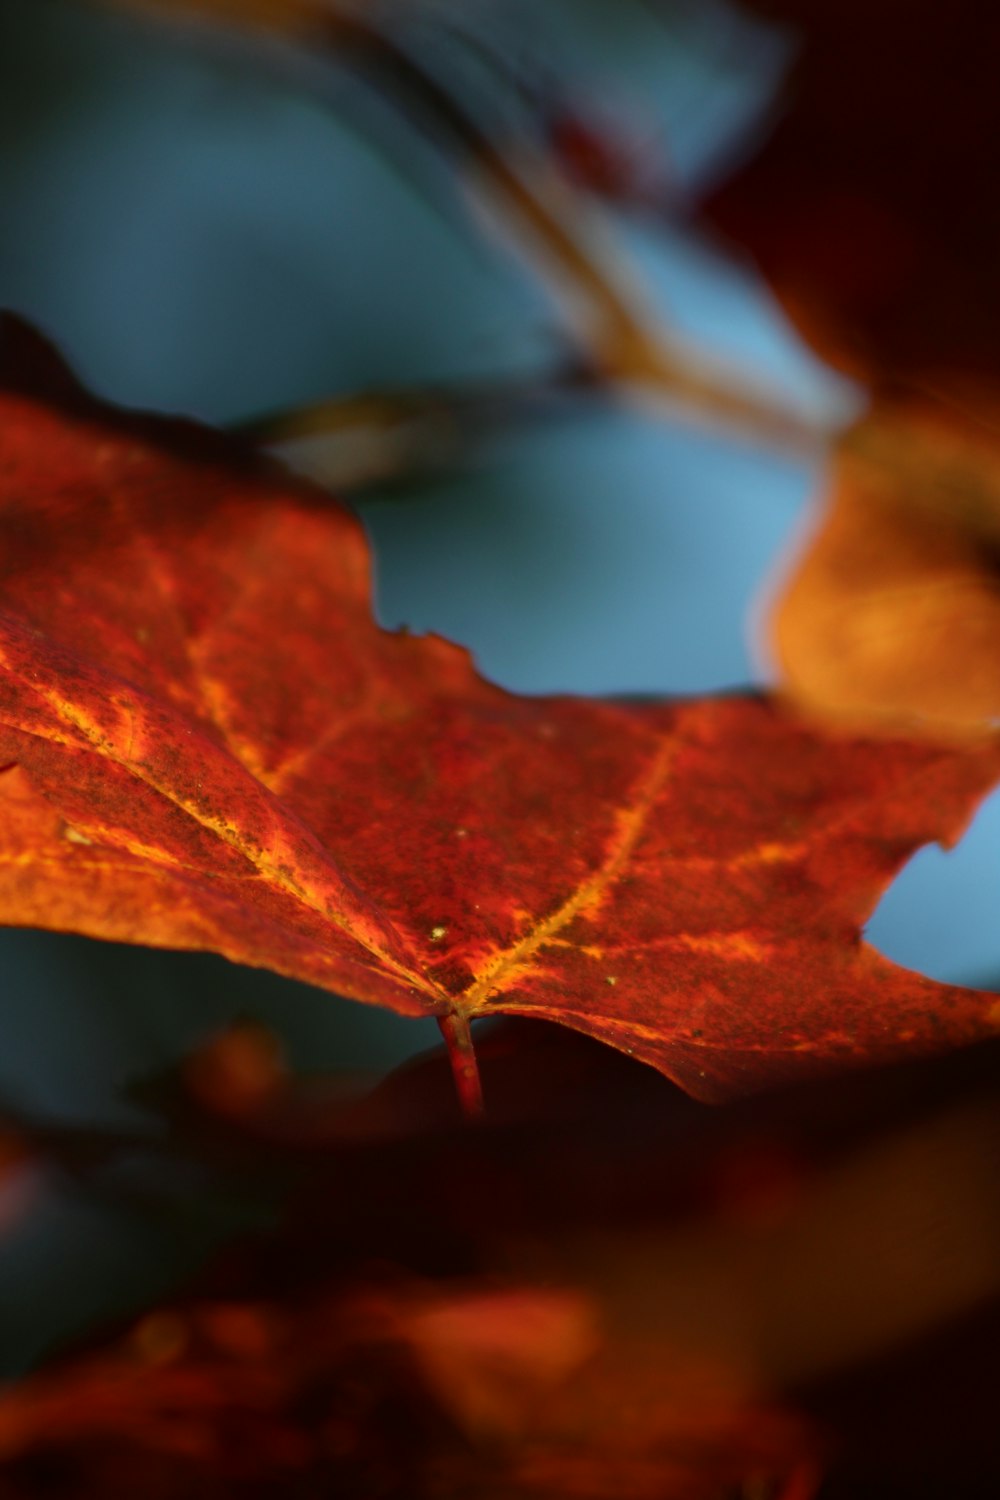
631 821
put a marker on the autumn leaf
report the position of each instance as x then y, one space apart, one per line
408 1389
873 220
891 614
208 743
623 1299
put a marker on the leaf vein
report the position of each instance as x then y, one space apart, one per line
631 820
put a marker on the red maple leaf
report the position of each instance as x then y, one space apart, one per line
210 744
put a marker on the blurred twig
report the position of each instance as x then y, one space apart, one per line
618 337
371 436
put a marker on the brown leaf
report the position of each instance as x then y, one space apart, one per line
209 744
871 207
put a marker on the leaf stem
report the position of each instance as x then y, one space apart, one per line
457 1035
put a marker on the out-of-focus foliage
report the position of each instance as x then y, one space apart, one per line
522 1310
605 1288
877 226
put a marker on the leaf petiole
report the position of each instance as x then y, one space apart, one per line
457 1035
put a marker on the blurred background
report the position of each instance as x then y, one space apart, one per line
238 226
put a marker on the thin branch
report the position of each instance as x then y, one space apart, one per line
393 406
618 336
377 435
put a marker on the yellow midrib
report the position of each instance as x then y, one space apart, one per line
229 835
631 820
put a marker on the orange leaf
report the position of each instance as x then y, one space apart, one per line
891 616
415 1390
210 744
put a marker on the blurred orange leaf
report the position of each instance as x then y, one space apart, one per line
415 1389
630 1316
891 615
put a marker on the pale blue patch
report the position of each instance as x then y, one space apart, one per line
941 915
